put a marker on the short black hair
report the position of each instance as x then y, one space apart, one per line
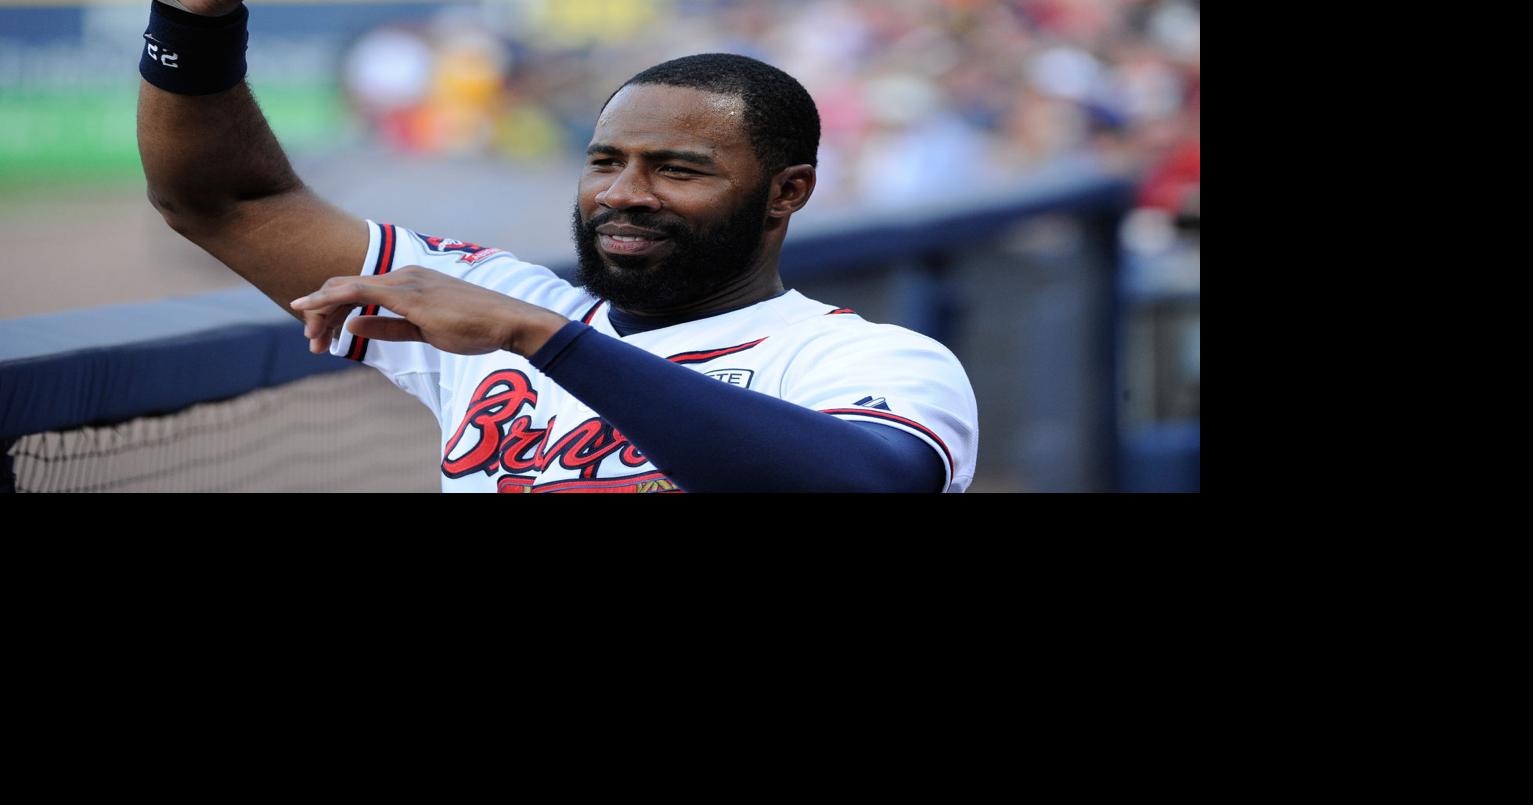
781 120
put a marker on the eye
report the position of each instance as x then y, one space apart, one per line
678 169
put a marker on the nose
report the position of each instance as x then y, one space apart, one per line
629 189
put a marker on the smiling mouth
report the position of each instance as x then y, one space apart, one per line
626 244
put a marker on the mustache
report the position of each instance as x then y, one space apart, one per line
644 220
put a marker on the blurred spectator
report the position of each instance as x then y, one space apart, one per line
915 95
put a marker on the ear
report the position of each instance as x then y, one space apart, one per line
791 189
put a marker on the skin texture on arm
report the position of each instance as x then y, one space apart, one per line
219 178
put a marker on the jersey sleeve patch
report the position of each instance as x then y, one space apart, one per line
466 252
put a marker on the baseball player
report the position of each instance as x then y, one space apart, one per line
679 363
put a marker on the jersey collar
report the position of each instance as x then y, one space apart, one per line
627 324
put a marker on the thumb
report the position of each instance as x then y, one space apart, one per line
384 328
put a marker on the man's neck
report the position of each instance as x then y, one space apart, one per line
627 324
751 288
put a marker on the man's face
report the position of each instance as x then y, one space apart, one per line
672 203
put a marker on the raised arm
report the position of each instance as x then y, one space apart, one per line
217 174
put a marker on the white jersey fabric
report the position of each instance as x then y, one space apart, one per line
508 427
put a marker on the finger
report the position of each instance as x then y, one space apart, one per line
319 338
314 327
329 322
384 328
314 321
314 318
351 291
323 325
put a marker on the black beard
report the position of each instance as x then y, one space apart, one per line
698 265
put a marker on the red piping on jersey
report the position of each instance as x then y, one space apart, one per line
385 262
708 355
841 310
590 314
903 421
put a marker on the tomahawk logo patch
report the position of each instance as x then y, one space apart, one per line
467 252
734 377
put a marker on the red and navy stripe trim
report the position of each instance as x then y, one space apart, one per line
948 454
591 314
384 264
703 356
841 310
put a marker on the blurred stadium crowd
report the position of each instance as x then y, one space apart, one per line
913 94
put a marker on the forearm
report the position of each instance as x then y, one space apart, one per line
203 154
711 436
214 168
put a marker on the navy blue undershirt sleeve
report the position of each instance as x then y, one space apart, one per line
710 436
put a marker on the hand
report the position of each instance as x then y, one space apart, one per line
206 8
447 313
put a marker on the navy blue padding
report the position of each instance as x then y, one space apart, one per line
108 364
848 239
710 436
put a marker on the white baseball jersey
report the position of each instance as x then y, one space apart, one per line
508 427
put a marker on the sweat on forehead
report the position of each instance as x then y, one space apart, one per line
656 101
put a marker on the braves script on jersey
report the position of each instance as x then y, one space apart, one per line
507 427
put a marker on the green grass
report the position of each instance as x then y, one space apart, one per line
87 135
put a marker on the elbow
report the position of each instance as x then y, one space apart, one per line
159 203
188 217
195 215
173 212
